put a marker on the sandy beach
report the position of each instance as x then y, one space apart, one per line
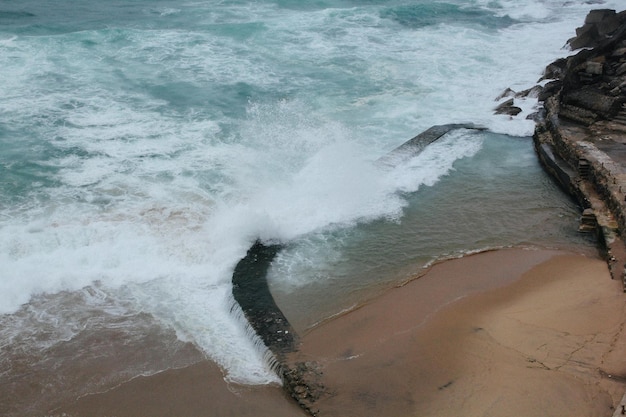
509 332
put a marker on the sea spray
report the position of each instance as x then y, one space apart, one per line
268 357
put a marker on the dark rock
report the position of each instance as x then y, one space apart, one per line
302 381
616 82
591 84
534 116
586 35
530 92
506 93
594 67
417 144
508 107
599 25
593 100
599 15
251 292
578 114
550 89
605 20
618 53
506 104
554 70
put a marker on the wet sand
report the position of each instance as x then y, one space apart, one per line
194 391
508 332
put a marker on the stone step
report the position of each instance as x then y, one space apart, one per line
588 221
621 116
583 168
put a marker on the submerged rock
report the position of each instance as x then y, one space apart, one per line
418 143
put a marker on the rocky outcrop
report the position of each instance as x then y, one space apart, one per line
590 83
580 134
599 24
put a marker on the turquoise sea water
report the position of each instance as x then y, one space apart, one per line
144 145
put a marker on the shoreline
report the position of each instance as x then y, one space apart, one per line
438 346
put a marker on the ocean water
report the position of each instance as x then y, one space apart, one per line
146 144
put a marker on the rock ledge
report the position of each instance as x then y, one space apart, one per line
580 134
